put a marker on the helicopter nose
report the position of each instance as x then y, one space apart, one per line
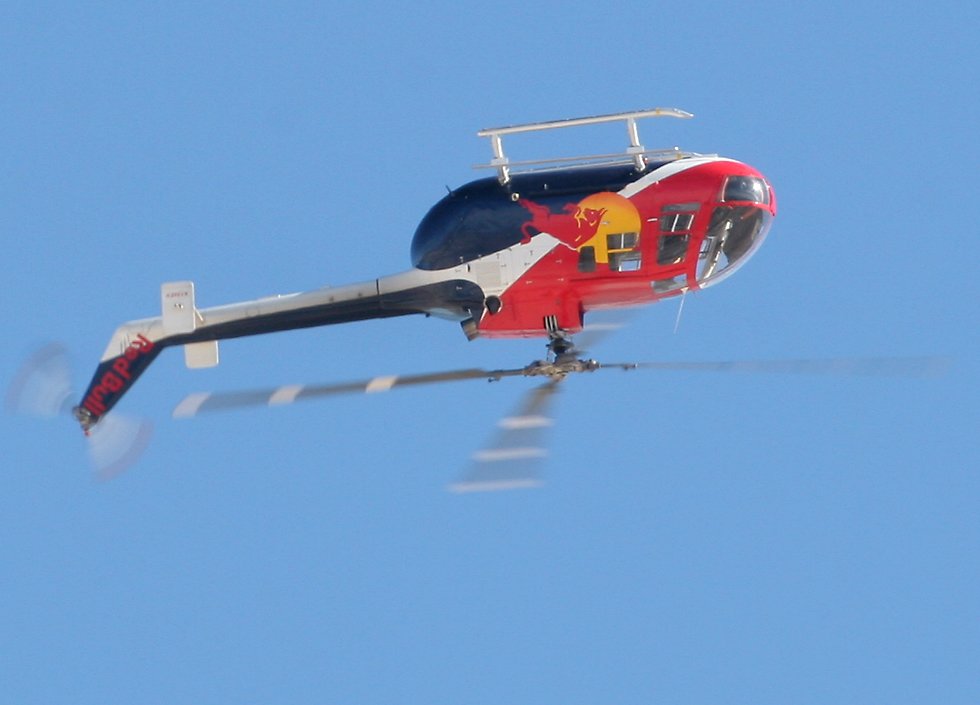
736 231
749 189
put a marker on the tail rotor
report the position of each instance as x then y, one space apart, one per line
43 388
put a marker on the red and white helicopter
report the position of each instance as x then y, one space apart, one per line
531 252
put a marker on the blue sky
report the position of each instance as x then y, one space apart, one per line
722 539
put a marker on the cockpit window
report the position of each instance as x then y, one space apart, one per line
734 233
746 188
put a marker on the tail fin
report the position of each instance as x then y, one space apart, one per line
113 378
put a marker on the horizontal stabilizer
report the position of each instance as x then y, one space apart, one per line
201 355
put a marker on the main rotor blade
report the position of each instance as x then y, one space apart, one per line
846 366
201 402
600 324
514 458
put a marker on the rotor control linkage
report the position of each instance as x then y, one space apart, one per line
559 368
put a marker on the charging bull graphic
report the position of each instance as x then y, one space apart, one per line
588 223
574 226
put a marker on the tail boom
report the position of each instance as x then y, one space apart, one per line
136 344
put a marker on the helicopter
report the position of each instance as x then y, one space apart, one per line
547 248
532 251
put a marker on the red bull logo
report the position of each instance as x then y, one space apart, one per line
118 374
582 224
574 226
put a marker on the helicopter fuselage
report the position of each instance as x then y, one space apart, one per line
523 256
546 248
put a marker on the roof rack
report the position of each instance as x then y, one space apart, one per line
635 153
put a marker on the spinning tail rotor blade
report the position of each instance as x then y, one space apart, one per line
43 388
116 443
202 402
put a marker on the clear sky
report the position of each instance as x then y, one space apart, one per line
700 538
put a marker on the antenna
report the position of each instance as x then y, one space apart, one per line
680 310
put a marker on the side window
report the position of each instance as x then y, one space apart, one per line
625 261
623 253
662 286
672 249
676 222
621 241
675 233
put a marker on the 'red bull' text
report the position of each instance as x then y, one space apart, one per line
118 376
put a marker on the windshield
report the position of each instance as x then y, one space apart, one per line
746 188
735 232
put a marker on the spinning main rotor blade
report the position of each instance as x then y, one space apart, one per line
842 366
201 402
513 459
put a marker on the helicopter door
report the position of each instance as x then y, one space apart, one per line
673 242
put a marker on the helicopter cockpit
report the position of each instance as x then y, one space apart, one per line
737 228
738 224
